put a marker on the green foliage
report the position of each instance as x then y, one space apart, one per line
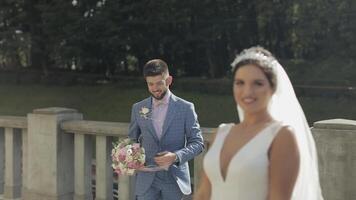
13 43
197 38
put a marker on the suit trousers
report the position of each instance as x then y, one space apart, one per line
164 187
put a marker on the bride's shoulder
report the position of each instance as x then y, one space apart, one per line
284 128
224 125
285 136
221 129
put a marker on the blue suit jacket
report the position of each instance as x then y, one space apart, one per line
181 134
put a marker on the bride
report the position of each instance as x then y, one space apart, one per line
269 155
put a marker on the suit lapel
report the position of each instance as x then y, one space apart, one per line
149 121
172 107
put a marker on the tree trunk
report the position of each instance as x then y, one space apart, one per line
38 55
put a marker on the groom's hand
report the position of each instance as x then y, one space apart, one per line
165 158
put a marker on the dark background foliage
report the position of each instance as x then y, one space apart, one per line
313 39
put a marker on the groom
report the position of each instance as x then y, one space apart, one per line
167 127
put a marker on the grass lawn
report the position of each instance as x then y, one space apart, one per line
112 103
106 103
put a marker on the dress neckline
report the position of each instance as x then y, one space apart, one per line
239 150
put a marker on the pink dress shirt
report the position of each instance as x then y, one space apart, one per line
159 111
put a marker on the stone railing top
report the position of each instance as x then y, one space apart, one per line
338 124
208 133
54 110
13 122
96 128
117 129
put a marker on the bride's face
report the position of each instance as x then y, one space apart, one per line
252 90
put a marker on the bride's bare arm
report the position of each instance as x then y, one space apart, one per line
204 189
203 192
284 165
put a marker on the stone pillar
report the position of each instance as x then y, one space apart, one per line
50 163
13 156
126 185
2 162
336 146
83 167
25 182
104 171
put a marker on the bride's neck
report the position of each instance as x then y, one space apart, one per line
257 118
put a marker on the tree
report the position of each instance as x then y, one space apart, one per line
197 38
13 41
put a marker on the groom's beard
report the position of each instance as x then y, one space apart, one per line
159 97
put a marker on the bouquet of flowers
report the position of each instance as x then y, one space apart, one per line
127 156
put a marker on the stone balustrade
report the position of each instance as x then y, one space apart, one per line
336 145
13 136
50 153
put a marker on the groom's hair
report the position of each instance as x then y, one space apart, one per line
155 67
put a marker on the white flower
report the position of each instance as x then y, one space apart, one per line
144 112
129 159
142 158
129 151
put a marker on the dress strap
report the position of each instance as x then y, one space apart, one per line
224 129
275 128
222 132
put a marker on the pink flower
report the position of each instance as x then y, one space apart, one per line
122 154
136 146
127 156
118 171
131 165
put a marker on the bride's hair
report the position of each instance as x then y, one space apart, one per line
259 57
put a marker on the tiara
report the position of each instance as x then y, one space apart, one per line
253 54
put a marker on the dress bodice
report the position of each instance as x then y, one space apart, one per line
247 172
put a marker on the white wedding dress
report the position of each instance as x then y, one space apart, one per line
247 173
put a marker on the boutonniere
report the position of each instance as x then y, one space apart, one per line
144 112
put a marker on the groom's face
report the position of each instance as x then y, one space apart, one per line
158 85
